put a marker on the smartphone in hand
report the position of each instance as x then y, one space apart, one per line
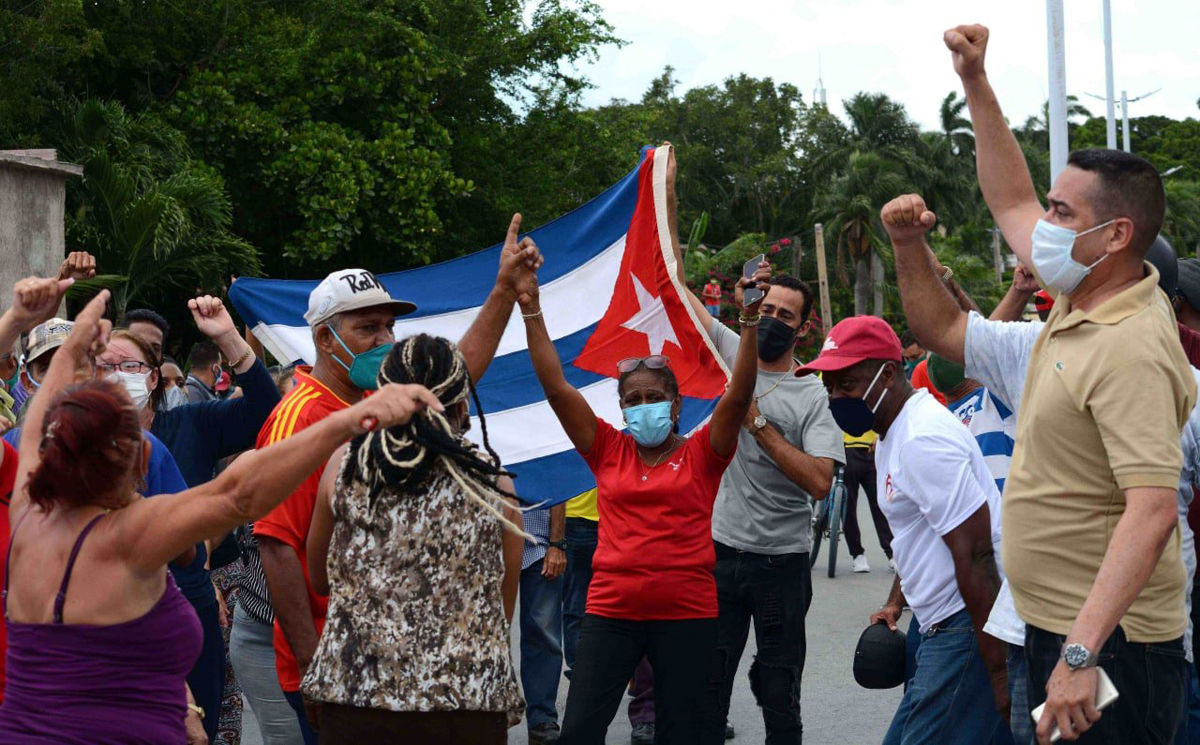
1106 694
752 295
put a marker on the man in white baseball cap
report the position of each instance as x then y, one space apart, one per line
352 317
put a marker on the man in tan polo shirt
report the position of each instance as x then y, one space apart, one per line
1090 531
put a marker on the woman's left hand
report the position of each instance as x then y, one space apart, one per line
195 729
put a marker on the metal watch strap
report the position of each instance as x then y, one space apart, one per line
1078 657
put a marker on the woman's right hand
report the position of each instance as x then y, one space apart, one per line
392 405
88 337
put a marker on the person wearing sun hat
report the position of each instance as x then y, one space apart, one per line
942 505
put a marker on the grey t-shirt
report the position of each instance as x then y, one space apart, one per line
758 508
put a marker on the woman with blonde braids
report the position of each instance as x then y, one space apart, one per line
406 539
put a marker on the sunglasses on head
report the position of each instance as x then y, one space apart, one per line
653 362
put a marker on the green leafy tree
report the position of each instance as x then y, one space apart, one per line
156 219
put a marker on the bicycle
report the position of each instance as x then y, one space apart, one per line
828 519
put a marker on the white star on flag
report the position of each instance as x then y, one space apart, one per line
651 319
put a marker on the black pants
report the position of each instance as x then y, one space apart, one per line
774 592
681 653
860 471
352 725
1149 678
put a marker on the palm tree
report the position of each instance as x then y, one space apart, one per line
877 125
1037 128
849 206
955 127
157 221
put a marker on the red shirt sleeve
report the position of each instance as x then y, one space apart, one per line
607 437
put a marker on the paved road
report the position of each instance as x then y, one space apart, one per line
836 709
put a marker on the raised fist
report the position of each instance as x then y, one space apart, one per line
906 218
967 45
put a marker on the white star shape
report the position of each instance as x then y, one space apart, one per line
651 319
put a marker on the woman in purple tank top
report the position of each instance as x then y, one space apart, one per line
99 638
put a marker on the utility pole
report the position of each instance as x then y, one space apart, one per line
1125 101
823 280
1057 69
1110 103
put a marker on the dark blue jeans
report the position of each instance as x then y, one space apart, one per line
1149 678
296 700
1020 721
773 593
541 643
581 545
949 699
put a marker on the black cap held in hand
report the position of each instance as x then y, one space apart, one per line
879 658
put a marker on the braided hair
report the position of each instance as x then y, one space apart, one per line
408 456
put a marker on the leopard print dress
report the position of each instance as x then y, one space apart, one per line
416 619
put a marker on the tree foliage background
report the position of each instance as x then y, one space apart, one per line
290 137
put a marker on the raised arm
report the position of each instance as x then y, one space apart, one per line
933 314
158 529
731 409
1012 306
706 320
572 409
1003 174
517 262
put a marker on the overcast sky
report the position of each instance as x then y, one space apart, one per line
895 47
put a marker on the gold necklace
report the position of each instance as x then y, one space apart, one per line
791 367
658 462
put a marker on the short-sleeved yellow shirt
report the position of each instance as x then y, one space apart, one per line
1106 395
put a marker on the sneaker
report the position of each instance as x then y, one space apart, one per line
892 566
860 564
545 733
643 734
729 733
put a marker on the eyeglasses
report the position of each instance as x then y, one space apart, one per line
653 362
126 366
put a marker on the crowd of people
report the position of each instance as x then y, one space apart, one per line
325 543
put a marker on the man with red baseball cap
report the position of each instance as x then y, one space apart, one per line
942 505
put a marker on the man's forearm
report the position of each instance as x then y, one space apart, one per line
558 521
896 595
1003 174
478 345
979 583
813 475
289 597
1133 553
10 332
1012 306
933 313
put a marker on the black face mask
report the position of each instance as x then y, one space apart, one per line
775 338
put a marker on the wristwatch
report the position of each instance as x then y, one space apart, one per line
560 545
1077 656
757 425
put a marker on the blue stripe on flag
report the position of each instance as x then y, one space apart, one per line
556 478
511 382
570 241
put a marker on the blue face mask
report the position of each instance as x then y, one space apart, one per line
649 424
363 368
853 415
1052 246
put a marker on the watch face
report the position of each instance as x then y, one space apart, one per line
760 421
1075 655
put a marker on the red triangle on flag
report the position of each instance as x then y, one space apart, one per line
647 314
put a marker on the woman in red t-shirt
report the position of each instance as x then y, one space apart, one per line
652 592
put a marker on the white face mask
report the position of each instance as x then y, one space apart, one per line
1052 245
135 384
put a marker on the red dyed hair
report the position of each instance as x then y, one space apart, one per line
91 438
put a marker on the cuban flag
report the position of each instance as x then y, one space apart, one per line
608 291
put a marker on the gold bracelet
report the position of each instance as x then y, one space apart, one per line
531 316
196 710
748 321
248 353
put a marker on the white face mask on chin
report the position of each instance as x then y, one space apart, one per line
137 385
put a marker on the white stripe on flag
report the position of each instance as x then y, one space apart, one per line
571 303
533 431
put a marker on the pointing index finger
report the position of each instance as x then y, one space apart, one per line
514 229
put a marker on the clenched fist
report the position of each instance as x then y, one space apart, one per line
967 45
906 218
